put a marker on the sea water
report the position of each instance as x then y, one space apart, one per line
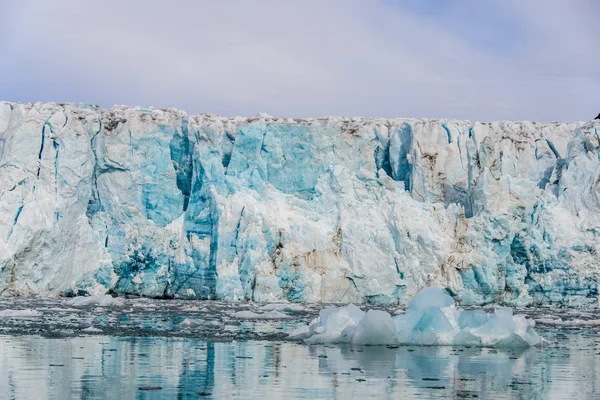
142 349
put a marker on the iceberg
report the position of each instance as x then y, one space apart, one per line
432 319
163 204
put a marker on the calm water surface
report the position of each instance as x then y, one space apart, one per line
143 349
105 367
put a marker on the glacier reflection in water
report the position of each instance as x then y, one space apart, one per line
106 367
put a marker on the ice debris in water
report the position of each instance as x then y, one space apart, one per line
334 324
253 315
19 313
102 300
431 319
189 323
283 307
570 323
91 329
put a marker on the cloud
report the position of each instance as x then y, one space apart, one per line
471 59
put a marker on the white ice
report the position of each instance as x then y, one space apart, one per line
19 313
283 307
101 300
431 319
91 329
190 323
266 315
160 203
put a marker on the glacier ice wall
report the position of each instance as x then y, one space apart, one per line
160 203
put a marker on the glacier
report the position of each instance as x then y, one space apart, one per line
160 203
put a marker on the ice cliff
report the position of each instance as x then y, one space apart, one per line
160 203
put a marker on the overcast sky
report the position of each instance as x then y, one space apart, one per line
474 59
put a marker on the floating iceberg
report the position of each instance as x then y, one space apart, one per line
432 319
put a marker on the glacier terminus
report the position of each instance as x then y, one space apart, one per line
159 203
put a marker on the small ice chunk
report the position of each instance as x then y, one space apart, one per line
190 323
101 301
91 329
245 315
214 324
283 307
274 315
253 315
335 324
573 322
60 309
20 313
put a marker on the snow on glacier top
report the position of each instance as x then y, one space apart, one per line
262 117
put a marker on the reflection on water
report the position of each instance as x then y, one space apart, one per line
103 367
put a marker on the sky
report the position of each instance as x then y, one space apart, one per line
469 59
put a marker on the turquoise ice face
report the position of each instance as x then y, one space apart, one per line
160 203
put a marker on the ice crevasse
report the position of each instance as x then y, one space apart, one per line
430 320
161 203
